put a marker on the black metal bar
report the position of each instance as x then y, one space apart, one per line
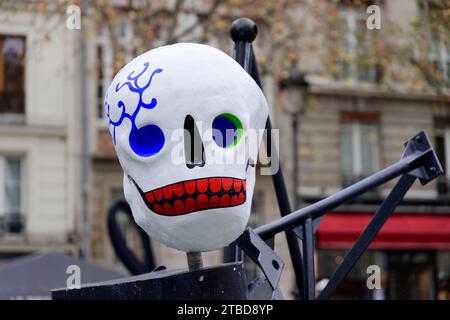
308 259
254 71
317 209
369 233
295 164
242 53
243 32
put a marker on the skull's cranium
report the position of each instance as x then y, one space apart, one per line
196 204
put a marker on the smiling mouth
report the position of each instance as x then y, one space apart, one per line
195 195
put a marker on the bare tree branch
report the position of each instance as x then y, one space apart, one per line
173 26
202 19
107 14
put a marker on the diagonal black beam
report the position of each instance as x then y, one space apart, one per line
369 233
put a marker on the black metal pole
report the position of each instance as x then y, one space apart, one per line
295 149
308 257
243 31
369 233
319 208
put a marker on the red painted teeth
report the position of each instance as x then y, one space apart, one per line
196 195
202 185
179 207
158 194
189 187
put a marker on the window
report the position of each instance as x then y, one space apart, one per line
106 61
442 148
359 147
440 52
434 13
104 68
11 206
356 59
12 74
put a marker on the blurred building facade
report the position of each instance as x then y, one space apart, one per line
354 134
39 134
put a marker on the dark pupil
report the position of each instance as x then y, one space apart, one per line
224 131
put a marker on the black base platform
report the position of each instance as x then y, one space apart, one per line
224 282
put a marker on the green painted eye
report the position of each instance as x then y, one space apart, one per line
227 130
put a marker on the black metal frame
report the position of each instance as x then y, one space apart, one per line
418 161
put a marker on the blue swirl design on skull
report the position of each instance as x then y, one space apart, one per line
149 139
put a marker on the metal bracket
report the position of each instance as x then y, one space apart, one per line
420 145
263 255
260 289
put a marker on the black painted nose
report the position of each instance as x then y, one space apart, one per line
194 151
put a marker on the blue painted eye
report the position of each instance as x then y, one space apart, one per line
227 130
146 141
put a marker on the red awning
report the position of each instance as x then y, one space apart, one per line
401 231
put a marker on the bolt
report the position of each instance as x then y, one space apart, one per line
433 169
419 139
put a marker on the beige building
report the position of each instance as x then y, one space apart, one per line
39 134
353 123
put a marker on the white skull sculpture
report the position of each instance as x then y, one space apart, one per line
197 204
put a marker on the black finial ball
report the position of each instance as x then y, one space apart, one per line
243 29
